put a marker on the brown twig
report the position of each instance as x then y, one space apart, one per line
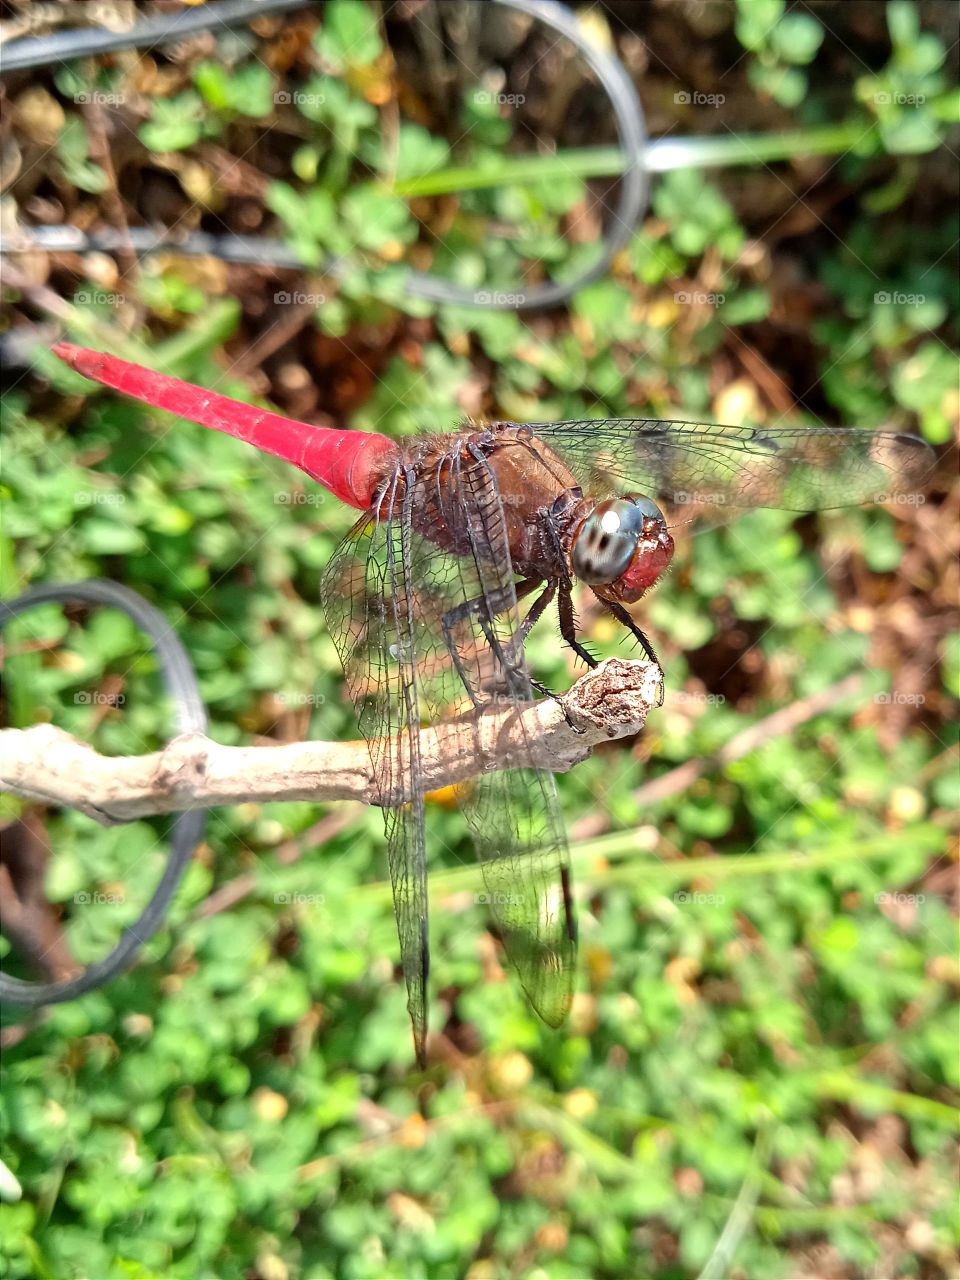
29 920
44 763
112 202
278 335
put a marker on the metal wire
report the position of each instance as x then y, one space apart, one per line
85 42
187 828
627 111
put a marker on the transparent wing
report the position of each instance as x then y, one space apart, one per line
422 605
796 468
514 814
368 601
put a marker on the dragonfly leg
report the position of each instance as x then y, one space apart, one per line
533 615
484 610
568 626
535 612
622 616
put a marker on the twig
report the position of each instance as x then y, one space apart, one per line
29 921
45 763
112 202
277 336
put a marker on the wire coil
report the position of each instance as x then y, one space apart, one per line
187 828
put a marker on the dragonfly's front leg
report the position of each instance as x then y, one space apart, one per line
534 615
622 616
568 625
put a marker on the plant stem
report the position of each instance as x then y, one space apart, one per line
660 155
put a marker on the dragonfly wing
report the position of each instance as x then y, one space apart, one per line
422 604
367 601
514 814
795 468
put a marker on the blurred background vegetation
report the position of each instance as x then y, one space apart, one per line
759 1076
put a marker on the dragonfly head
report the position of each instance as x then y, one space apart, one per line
622 547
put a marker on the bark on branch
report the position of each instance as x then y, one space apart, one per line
46 764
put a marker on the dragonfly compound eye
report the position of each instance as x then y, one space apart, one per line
607 539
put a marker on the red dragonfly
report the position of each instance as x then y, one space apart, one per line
423 596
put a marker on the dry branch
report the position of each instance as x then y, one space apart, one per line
46 764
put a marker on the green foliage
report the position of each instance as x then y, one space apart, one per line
349 36
247 91
780 43
73 146
697 214
177 123
765 968
906 96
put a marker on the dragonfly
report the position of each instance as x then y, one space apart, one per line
465 540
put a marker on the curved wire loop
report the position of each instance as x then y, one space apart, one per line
187 828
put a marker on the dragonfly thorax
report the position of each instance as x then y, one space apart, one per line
622 547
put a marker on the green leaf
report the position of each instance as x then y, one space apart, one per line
175 123
786 85
73 143
213 81
903 22
377 218
951 665
252 91
746 307
72 147
755 21
349 36
929 374
797 37
420 152
910 133
106 537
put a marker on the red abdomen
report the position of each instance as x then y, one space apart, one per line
350 464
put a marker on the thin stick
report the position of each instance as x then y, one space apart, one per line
46 764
